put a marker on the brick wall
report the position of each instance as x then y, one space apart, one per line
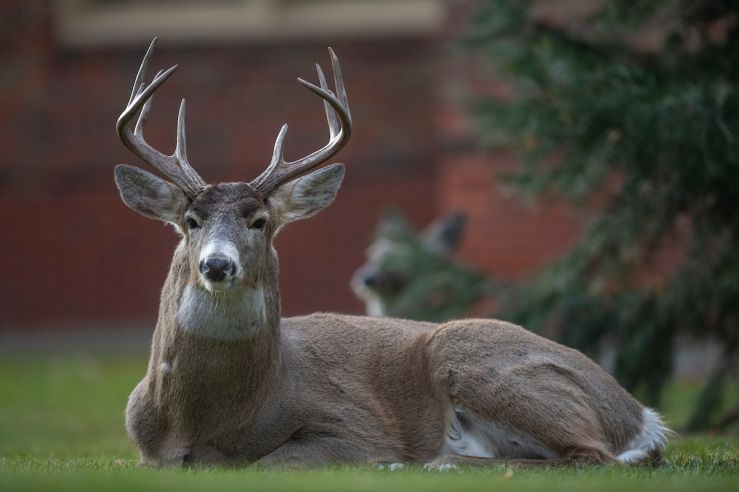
72 255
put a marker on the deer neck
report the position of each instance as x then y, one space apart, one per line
203 339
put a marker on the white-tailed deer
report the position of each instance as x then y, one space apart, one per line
232 382
413 275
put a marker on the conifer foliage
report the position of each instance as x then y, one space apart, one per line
647 135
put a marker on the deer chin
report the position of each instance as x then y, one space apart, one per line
222 287
235 287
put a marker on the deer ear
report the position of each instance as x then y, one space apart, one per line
306 196
149 195
392 224
444 235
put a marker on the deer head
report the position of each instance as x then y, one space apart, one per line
228 227
413 275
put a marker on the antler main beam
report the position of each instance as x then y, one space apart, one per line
175 167
339 119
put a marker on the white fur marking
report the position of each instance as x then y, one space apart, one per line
653 436
444 467
632 456
373 305
220 249
470 435
222 317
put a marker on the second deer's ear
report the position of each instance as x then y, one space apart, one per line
149 195
306 196
444 235
393 225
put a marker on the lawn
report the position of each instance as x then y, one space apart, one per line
61 428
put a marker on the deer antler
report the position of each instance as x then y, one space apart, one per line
339 119
175 166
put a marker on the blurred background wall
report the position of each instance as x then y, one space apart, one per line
74 258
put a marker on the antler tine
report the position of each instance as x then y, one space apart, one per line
340 89
175 166
144 114
181 148
340 126
333 121
277 153
139 82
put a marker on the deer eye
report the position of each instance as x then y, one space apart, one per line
192 223
258 224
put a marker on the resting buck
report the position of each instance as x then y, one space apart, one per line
232 382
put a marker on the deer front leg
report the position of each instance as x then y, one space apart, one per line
144 425
147 428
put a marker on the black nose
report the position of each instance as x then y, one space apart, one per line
370 281
216 269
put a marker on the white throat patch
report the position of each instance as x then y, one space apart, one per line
221 317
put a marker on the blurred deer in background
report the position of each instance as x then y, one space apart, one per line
413 275
230 381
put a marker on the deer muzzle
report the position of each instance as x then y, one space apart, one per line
219 264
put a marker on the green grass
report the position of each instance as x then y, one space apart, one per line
61 428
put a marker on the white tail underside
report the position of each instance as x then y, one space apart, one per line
652 437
